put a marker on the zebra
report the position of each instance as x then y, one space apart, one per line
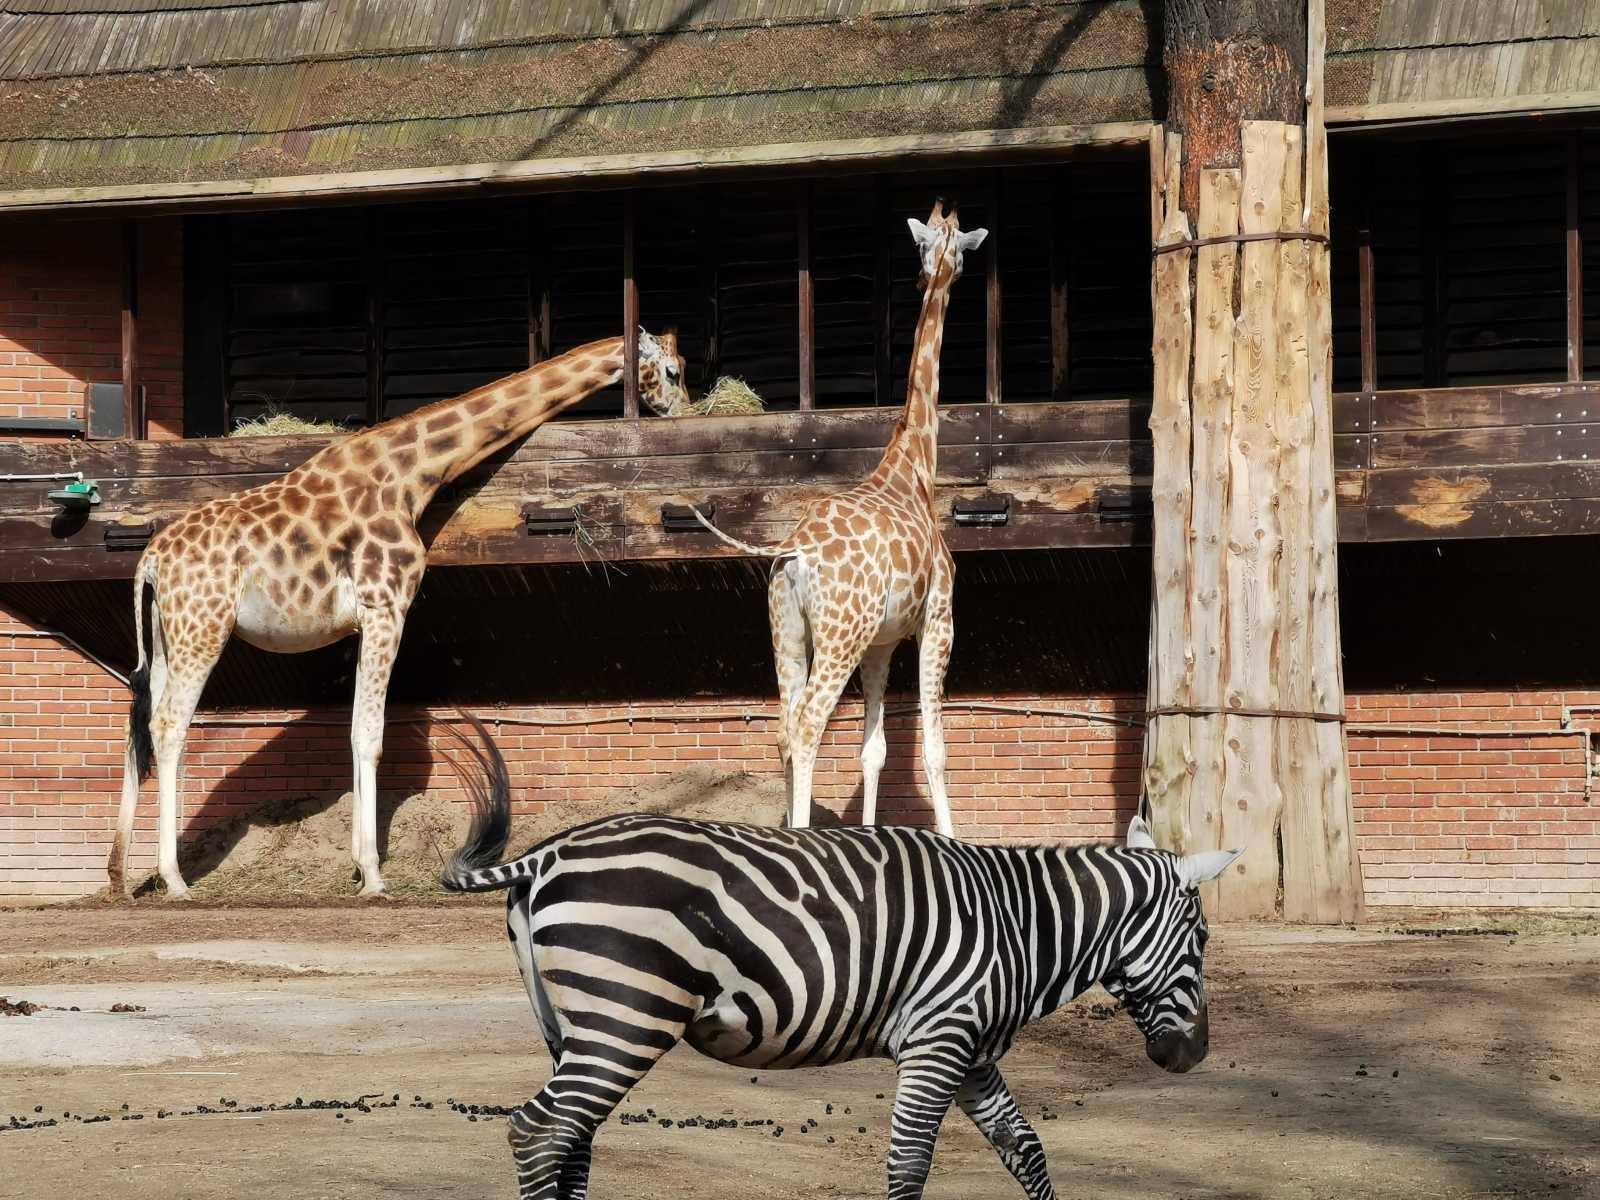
773 948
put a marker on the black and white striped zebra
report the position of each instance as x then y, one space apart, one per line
787 948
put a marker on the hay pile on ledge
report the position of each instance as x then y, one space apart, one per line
728 397
282 424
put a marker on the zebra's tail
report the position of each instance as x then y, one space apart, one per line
780 549
476 866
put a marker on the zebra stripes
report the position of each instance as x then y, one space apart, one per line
787 948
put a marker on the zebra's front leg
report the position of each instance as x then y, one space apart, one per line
985 1098
930 1075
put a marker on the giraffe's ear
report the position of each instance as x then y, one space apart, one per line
972 239
924 235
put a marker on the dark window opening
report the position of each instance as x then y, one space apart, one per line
355 315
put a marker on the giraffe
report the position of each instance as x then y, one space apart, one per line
868 568
328 550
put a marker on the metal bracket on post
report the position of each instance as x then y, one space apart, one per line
991 508
676 518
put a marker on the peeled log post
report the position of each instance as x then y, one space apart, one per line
1244 745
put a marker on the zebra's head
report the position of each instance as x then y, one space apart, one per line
1158 975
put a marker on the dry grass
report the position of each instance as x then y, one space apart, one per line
282 424
728 397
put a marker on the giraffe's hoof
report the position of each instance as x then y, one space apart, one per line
375 892
178 893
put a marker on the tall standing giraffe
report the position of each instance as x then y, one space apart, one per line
868 568
329 550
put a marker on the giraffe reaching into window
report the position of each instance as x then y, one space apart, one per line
329 550
868 568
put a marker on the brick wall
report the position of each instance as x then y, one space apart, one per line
1441 819
61 322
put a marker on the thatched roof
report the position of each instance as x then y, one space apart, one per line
101 93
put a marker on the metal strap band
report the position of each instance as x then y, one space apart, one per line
1287 714
1195 243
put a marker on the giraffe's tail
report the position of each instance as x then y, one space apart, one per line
476 866
776 551
139 681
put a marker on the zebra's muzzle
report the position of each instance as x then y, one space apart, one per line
1179 1050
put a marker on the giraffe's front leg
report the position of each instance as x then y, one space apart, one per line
874 743
791 655
938 634
380 640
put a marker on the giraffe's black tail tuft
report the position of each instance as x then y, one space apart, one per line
144 752
474 867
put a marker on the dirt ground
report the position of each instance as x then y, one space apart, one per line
1344 1063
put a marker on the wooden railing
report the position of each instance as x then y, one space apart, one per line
1460 462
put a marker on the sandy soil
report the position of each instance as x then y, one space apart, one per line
1344 1063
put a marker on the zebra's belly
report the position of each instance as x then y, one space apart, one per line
722 1032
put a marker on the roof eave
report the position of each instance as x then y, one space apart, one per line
552 174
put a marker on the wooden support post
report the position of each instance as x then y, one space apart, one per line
1574 256
708 210
538 284
372 280
992 333
1368 284
630 310
807 301
1060 268
1435 201
882 295
133 409
1245 744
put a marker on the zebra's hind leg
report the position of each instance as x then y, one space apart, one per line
985 1098
552 1135
930 1075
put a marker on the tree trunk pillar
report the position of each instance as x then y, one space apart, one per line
1245 744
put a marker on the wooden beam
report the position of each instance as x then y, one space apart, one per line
708 209
1368 286
1435 203
585 172
1060 218
1574 256
133 409
807 299
882 293
630 308
372 277
538 283
992 332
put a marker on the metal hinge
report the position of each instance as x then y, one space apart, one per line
539 520
991 508
129 537
677 518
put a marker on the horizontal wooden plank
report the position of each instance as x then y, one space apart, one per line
1517 518
1487 446
1478 407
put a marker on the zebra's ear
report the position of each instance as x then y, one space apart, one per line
1139 837
1195 869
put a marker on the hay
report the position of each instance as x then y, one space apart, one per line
282 424
301 849
728 397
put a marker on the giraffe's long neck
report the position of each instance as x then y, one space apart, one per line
437 444
914 447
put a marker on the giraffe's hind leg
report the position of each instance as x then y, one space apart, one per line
190 659
874 744
791 653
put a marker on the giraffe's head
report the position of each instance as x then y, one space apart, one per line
942 244
661 374
1157 975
